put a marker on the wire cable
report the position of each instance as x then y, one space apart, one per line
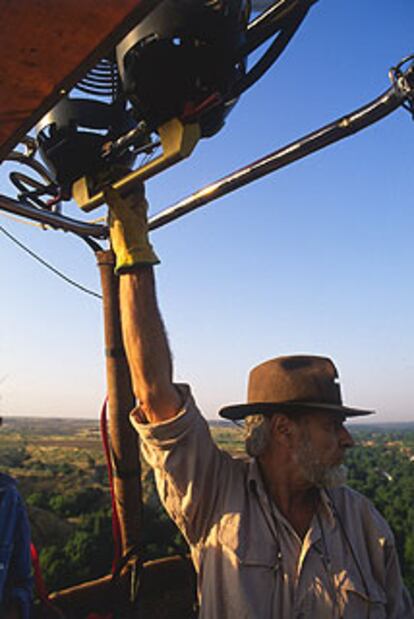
67 279
273 52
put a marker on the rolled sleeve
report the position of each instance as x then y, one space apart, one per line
191 472
164 434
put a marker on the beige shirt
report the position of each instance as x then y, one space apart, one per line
251 564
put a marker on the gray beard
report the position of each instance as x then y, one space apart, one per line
330 477
319 474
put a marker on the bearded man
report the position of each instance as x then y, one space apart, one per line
278 536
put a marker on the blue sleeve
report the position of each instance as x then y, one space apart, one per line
19 580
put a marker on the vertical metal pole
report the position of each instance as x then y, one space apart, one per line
124 441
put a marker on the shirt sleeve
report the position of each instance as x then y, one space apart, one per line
192 474
20 570
399 602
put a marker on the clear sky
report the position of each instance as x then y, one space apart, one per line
317 258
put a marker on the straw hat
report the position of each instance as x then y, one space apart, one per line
292 384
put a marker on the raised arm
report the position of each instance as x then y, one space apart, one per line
144 335
193 476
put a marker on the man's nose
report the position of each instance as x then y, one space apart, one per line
345 438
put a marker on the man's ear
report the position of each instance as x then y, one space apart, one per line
282 428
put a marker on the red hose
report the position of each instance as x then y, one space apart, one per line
116 527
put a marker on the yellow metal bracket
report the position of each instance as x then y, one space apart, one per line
177 141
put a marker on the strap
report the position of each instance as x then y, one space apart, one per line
40 584
116 527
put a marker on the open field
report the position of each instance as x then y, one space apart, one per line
61 472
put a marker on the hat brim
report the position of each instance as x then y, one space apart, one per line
240 411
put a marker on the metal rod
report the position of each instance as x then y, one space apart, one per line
275 49
167 589
124 441
53 219
335 131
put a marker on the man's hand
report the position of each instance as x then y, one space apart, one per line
13 611
129 229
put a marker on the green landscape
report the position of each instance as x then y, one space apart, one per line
61 473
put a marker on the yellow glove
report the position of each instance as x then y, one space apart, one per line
128 228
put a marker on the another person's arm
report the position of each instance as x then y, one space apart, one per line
19 583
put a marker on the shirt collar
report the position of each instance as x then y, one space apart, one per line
327 508
254 478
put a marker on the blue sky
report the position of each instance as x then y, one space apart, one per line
317 258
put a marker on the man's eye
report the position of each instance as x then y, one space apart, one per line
334 424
